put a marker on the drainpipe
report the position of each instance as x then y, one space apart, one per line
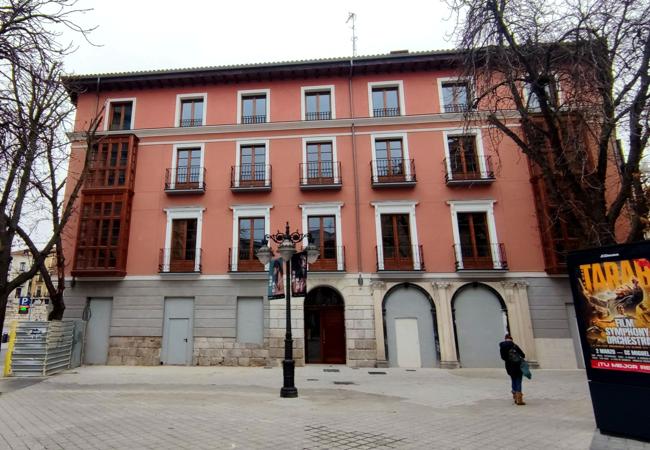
355 171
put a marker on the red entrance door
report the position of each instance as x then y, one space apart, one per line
324 327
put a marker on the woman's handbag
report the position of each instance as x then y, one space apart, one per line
525 370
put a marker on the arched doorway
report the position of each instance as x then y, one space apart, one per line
480 322
410 328
324 327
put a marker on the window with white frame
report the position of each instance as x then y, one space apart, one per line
251 223
182 251
191 110
476 246
390 158
320 164
550 90
120 114
318 102
252 164
253 106
455 95
323 222
465 159
187 167
396 234
386 98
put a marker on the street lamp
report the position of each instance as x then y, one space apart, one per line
287 248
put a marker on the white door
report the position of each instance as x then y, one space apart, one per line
177 343
408 343
178 331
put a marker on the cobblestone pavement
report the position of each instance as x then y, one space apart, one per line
239 408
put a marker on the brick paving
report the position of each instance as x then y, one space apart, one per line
119 407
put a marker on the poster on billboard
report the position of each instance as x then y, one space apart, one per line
299 274
613 307
276 279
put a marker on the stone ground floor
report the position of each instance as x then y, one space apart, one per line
388 320
115 407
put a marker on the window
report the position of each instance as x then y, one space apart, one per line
38 292
253 106
183 245
23 266
19 291
120 115
396 242
320 167
191 112
252 165
389 158
532 101
323 233
251 235
385 102
454 95
463 158
475 238
100 229
318 105
182 251
188 168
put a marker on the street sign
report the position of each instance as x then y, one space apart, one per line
24 304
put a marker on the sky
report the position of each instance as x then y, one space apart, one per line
148 34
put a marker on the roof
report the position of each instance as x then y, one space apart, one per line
402 60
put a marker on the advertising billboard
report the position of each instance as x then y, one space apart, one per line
611 295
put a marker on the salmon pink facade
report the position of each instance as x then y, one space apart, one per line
428 231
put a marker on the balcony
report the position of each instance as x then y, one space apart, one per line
172 260
463 172
480 257
331 259
250 178
191 122
185 180
456 107
408 258
385 112
320 175
323 115
395 172
258 118
246 261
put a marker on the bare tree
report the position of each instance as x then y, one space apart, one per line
564 80
34 115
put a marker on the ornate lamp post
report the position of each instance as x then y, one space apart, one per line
287 247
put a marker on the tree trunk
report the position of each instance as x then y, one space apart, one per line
58 306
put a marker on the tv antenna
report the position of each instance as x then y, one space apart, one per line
353 17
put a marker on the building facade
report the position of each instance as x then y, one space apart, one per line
430 243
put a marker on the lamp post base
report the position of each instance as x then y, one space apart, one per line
289 389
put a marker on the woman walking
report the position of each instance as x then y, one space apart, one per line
513 356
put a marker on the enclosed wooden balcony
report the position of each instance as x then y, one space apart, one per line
392 172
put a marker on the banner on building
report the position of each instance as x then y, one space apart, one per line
613 306
276 279
299 274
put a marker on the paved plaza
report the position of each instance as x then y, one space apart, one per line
239 408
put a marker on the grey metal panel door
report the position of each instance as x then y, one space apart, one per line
480 326
97 333
250 320
178 331
410 303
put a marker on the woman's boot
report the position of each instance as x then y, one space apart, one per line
519 398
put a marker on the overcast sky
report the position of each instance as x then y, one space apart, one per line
164 34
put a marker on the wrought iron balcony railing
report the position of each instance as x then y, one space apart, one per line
189 180
191 122
456 107
179 260
320 175
258 118
246 260
480 257
393 172
468 170
250 177
385 112
322 115
331 259
402 258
